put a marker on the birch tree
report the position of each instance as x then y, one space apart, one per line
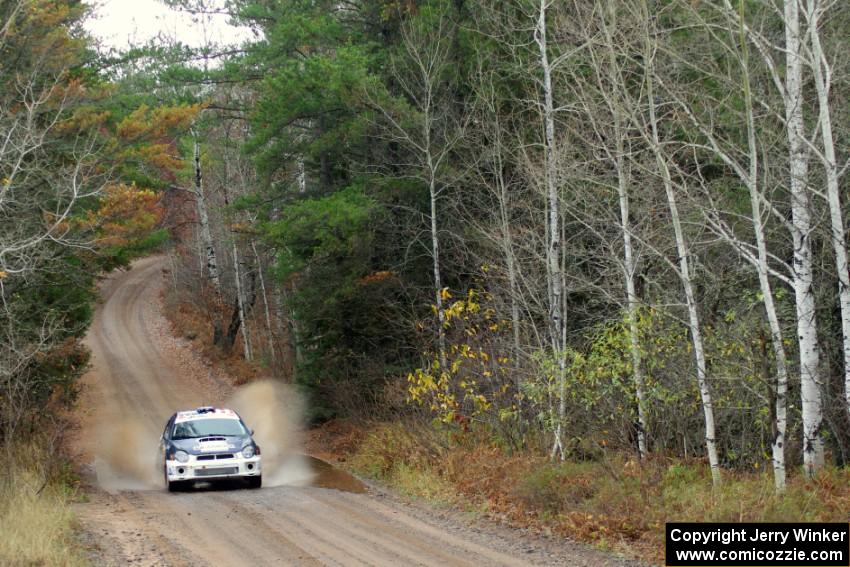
619 123
801 231
426 129
744 160
815 11
554 277
683 268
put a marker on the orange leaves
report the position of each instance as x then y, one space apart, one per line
155 124
126 214
376 277
150 135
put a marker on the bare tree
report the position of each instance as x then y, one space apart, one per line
426 129
815 13
683 268
804 293
554 277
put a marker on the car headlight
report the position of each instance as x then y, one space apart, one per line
181 456
248 451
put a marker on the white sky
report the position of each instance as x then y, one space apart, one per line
122 23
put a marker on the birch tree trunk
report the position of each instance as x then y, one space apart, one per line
553 252
631 298
268 315
629 267
781 398
422 79
684 269
438 282
823 83
204 220
810 386
240 303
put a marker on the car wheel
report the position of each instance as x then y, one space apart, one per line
255 481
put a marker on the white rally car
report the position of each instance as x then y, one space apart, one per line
208 444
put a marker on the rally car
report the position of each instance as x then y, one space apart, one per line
208 444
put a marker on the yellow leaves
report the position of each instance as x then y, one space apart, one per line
3 275
473 384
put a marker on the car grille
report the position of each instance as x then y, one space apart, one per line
216 471
214 457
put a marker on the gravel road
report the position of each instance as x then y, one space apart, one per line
139 376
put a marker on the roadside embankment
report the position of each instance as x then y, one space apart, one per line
615 503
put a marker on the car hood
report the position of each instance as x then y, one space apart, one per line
212 445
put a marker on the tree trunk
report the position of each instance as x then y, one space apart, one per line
268 315
237 315
438 282
207 244
553 252
629 268
240 304
204 220
684 271
823 82
810 387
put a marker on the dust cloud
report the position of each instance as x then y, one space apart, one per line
274 411
128 455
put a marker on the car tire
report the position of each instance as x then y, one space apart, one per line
255 481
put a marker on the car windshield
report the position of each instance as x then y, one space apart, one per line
208 428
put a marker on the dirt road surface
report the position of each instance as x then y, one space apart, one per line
139 377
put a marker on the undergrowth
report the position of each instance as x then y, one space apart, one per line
36 520
615 503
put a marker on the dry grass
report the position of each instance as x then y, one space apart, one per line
36 521
617 503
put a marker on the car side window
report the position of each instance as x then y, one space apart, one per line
166 434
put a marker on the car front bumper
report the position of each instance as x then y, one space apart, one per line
213 469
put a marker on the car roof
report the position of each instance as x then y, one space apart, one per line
206 412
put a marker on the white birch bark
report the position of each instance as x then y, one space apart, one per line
553 252
684 272
204 220
301 175
810 386
629 267
823 82
781 393
632 299
780 423
269 329
240 304
427 53
438 282
781 402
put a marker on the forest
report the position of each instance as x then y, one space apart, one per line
566 232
